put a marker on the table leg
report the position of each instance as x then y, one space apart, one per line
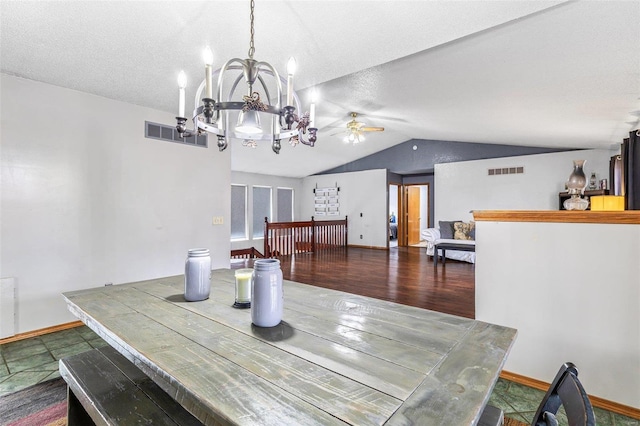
444 256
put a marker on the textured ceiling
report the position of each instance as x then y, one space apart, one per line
537 73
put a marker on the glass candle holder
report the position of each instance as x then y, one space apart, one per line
243 288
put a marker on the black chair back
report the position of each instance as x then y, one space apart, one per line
566 391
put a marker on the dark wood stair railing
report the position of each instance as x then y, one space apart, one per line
285 238
246 253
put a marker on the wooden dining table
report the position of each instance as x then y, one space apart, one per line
336 358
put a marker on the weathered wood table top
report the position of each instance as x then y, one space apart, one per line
336 358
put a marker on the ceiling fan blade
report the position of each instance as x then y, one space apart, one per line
372 129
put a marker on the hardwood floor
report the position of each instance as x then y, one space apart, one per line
403 274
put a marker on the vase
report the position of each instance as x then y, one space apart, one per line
266 293
577 179
197 275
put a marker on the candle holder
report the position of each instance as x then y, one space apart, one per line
243 288
207 110
181 127
312 137
289 117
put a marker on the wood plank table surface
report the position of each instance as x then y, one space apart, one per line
336 358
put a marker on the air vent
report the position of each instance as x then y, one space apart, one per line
506 171
170 134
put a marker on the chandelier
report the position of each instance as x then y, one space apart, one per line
261 95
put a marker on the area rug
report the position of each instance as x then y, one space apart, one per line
508 421
44 404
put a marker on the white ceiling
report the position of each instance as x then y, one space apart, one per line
535 73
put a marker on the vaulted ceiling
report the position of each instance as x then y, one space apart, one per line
533 73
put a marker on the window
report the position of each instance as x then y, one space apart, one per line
238 212
261 209
285 204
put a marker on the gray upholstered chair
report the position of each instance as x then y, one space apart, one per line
566 391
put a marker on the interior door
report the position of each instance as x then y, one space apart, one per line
413 215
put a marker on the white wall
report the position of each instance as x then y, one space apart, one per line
360 192
465 186
573 293
87 199
571 290
275 182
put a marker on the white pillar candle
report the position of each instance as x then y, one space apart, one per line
181 104
291 69
289 90
312 109
209 83
243 285
182 83
208 73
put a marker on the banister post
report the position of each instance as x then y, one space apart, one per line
266 234
313 235
346 229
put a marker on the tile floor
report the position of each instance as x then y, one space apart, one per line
521 402
30 361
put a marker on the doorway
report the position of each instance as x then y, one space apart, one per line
394 213
416 213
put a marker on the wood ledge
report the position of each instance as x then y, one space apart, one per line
40 332
626 217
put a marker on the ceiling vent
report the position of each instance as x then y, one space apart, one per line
170 134
506 171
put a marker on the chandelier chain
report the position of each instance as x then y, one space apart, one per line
252 48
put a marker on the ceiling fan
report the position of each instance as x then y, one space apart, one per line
356 129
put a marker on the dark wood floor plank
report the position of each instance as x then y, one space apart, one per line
404 275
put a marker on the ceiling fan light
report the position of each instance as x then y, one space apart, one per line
249 122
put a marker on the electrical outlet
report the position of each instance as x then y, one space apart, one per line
218 220
108 284
360 236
